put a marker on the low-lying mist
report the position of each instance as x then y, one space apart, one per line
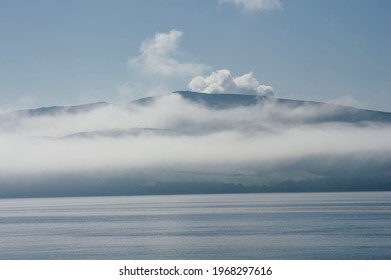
174 140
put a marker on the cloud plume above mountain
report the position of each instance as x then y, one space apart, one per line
158 56
222 81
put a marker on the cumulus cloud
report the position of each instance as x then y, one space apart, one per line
255 5
158 56
222 81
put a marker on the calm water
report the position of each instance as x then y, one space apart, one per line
232 226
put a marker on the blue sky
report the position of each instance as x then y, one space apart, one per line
71 52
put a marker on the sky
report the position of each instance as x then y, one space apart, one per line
73 52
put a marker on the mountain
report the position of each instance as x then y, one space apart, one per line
215 100
320 113
221 101
189 142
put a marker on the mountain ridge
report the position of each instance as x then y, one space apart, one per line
52 110
321 112
210 100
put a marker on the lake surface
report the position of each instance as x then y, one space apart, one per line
228 226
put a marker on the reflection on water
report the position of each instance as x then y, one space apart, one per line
230 226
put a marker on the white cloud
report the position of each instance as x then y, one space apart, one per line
158 56
222 81
255 5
